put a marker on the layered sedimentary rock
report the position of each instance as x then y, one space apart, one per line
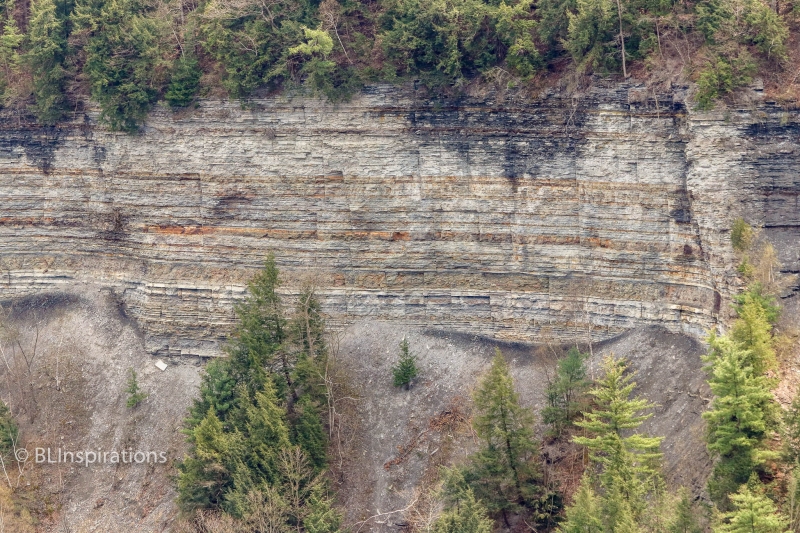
562 217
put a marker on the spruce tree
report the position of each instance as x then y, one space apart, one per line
206 474
217 392
47 49
10 58
628 462
467 515
309 379
308 432
565 392
406 369
135 394
266 433
505 471
752 513
257 442
742 415
753 331
322 517
184 82
684 519
585 514
256 347
121 55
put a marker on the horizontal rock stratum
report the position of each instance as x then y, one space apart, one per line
558 218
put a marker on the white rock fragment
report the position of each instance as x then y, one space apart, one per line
161 365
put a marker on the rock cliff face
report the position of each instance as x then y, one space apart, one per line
561 217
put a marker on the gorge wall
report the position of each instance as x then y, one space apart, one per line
563 217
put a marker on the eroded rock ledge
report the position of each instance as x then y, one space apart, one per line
562 217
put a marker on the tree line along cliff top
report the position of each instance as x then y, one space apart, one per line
126 55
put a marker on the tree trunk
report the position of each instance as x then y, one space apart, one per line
622 40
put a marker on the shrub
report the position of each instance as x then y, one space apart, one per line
741 235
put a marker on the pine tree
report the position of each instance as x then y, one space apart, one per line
47 43
585 513
505 472
752 513
742 415
406 369
629 463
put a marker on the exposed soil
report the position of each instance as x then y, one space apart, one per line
83 356
396 452
391 443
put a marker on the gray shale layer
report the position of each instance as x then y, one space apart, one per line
561 217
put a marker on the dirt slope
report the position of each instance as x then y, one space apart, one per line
380 478
86 347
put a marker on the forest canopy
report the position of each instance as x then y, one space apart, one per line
126 55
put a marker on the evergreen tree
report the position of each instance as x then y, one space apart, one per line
308 378
135 394
266 433
741 417
505 473
322 517
756 293
257 442
217 392
753 331
585 513
564 393
752 513
467 515
121 55
256 348
685 517
9 431
742 233
628 462
184 82
250 47
406 369
309 433
10 58
205 475
47 50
